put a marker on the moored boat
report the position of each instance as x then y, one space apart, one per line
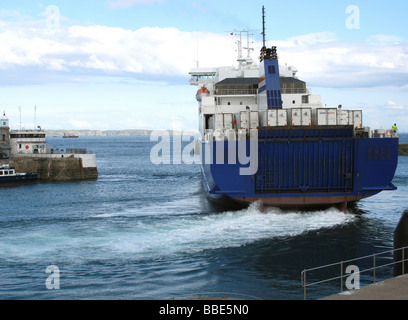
9 177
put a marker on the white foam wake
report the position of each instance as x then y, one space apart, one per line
185 234
157 235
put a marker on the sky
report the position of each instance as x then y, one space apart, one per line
123 64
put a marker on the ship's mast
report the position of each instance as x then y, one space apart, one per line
263 27
248 60
266 53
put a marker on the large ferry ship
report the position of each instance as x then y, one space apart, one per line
265 138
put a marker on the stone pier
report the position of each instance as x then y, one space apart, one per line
54 169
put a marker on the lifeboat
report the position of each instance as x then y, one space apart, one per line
200 92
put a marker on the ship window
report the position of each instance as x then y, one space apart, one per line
4 137
294 101
305 99
1 173
271 69
19 146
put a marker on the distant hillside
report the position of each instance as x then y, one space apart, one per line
87 133
107 133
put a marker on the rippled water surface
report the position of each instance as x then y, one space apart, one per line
143 231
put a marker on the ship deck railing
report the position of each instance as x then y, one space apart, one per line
295 91
235 92
341 266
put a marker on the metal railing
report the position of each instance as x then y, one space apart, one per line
342 264
235 92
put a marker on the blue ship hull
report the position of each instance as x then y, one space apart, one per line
302 167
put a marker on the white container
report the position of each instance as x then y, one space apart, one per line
254 119
321 117
244 120
306 116
343 117
228 121
219 121
282 117
296 116
331 117
356 118
272 118
326 117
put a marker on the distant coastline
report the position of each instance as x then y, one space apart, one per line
403 148
104 133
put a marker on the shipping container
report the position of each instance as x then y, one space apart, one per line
321 117
343 117
325 117
306 116
244 120
332 117
301 116
296 117
282 118
228 121
254 119
219 121
356 118
272 118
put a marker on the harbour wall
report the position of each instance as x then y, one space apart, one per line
403 150
53 169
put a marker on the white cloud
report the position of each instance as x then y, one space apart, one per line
325 61
393 105
385 38
77 124
154 51
116 57
123 4
168 52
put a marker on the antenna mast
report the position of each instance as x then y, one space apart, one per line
263 26
266 53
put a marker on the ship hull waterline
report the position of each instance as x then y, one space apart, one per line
225 186
285 202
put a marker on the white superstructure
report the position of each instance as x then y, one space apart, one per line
227 94
228 97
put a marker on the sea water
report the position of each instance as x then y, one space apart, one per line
145 231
